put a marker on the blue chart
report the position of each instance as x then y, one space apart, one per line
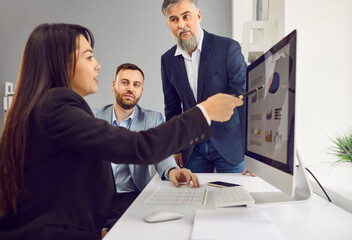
274 83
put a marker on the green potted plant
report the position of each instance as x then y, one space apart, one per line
342 148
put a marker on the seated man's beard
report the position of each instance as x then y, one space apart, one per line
126 105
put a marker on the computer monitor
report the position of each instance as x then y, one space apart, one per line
270 124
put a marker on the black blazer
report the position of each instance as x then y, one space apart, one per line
68 174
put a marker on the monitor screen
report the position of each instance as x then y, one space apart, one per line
270 111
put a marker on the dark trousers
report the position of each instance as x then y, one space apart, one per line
122 202
205 158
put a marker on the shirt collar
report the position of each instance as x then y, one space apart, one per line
128 120
182 52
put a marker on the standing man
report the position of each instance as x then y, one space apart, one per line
200 65
130 179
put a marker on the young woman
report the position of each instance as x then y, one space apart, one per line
55 177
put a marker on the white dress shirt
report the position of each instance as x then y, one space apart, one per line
192 64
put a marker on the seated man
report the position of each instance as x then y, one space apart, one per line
130 179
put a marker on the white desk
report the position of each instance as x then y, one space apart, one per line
316 219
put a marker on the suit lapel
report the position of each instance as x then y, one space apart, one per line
205 57
138 120
107 114
183 79
138 172
136 125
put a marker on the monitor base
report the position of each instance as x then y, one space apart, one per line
302 191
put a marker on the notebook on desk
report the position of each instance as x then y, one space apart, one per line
235 223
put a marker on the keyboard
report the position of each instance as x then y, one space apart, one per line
233 196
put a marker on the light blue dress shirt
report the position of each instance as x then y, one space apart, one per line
122 175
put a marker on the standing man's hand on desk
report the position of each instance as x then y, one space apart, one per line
178 176
245 171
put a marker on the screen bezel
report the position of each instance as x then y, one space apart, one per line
289 166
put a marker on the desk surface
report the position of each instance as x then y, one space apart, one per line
316 219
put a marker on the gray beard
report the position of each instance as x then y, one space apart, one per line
189 45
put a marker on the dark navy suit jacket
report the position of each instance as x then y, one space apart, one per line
222 69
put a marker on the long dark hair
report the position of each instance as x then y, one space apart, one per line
48 61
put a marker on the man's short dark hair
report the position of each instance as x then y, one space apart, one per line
129 66
169 4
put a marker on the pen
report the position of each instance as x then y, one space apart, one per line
205 194
250 92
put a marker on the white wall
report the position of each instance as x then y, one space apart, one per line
324 72
242 11
324 87
125 31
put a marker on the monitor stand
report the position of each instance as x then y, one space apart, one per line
302 190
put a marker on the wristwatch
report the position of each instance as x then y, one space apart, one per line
169 170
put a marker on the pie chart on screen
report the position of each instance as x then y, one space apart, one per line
274 83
